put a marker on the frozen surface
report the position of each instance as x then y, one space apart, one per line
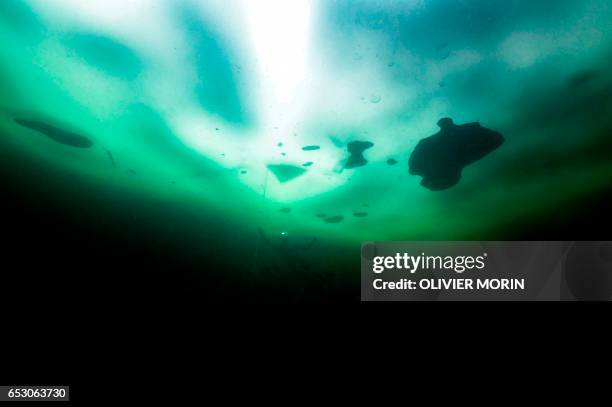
219 104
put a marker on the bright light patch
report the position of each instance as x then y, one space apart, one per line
280 32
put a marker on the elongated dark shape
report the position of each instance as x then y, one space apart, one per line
110 156
55 134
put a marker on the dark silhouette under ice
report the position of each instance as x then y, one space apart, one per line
356 149
440 159
334 219
55 134
285 173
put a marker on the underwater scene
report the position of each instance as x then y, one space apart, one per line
232 149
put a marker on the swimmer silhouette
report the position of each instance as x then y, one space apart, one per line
440 159
356 149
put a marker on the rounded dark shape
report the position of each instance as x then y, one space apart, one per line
446 123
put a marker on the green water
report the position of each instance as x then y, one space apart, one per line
189 104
